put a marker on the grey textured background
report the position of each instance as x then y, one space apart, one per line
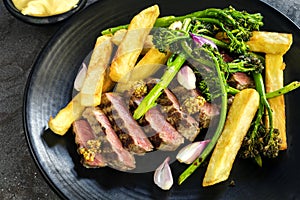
20 44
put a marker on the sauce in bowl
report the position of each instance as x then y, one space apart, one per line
44 8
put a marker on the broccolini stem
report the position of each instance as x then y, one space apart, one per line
209 13
290 87
219 129
149 101
257 121
260 87
232 90
284 90
112 30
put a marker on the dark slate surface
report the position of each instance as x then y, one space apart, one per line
20 44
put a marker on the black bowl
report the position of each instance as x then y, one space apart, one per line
42 20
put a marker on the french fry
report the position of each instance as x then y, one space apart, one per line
149 64
108 84
92 86
274 80
270 42
274 45
91 91
239 118
133 42
61 123
120 34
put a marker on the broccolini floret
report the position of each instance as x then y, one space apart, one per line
246 63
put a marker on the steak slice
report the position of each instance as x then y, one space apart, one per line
194 104
87 143
240 81
170 107
166 137
130 133
207 112
161 133
117 157
100 148
185 124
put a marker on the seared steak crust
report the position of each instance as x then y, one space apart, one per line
183 123
87 144
166 137
100 142
117 157
130 133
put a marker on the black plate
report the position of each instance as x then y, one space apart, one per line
42 20
50 85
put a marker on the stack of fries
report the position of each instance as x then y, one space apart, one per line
101 77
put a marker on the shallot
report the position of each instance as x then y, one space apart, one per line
201 40
192 151
80 77
163 175
186 77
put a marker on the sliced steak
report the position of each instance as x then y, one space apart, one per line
240 81
130 133
169 106
194 104
117 157
207 112
185 124
191 101
87 143
100 148
166 137
161 133
182 93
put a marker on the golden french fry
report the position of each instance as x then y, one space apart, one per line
61 123
120 34
91 91
239 118
92 86
270 42
133 42
108 84
274 81
149 64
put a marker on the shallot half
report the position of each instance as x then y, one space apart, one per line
163 175
186 77
80 77
202 40
190 152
